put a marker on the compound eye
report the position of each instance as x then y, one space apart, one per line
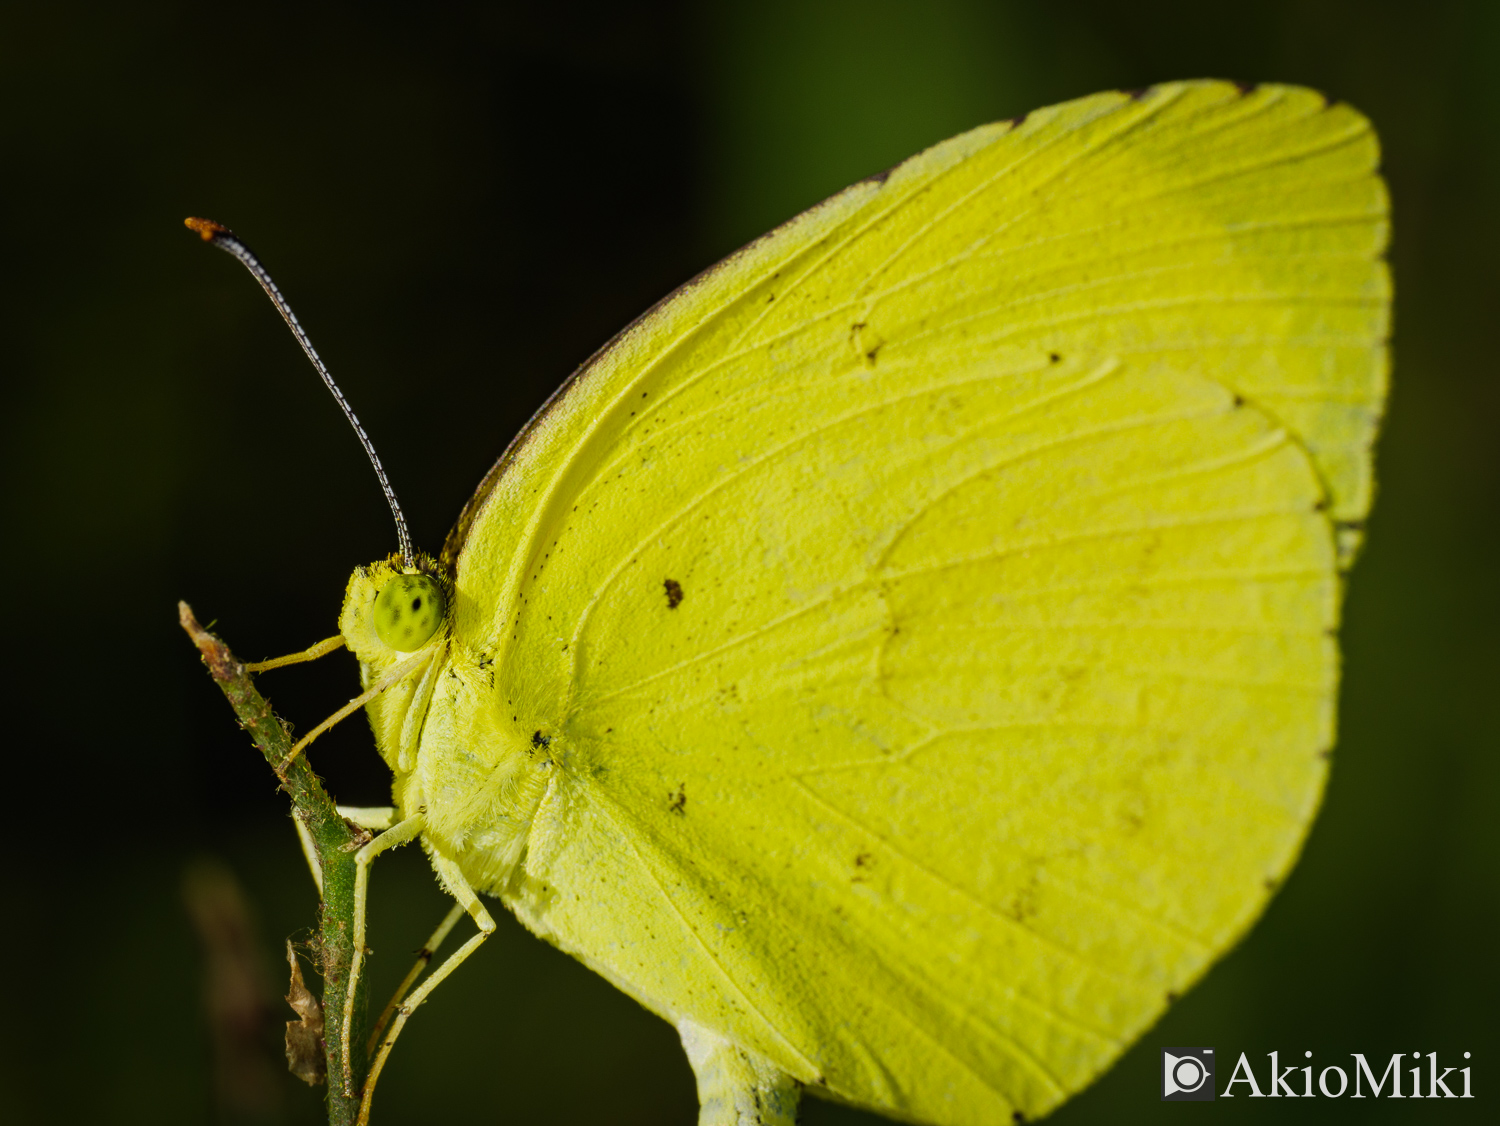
408 611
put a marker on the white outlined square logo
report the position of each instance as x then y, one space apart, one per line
1187 1075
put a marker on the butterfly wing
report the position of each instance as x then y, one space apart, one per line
929 612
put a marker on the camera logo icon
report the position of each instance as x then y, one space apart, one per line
1187 1074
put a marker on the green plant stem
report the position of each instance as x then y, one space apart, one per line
335 842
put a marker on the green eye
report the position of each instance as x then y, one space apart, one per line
408 611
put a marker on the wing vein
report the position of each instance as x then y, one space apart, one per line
697 941
1181 937
1089 379
1023 999
1197 520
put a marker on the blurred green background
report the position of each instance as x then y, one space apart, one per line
474 198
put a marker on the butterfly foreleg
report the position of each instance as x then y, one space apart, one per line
453 880
737 1087
311 653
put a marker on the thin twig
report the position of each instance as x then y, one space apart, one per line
334 841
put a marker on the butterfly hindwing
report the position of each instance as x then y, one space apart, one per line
911 644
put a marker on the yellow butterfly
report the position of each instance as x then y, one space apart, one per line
905 658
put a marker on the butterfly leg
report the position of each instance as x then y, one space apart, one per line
737 1087
424 958
309 852
312 653
453 880
396 675
397 834
374 817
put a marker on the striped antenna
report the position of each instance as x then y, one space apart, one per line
226 240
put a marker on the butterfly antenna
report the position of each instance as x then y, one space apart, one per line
227 241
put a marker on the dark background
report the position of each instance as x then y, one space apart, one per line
474 199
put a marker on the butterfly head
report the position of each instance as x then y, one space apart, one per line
396 620
392 610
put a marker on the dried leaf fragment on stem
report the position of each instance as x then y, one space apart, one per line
304 1036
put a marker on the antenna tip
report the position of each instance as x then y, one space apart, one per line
207 229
